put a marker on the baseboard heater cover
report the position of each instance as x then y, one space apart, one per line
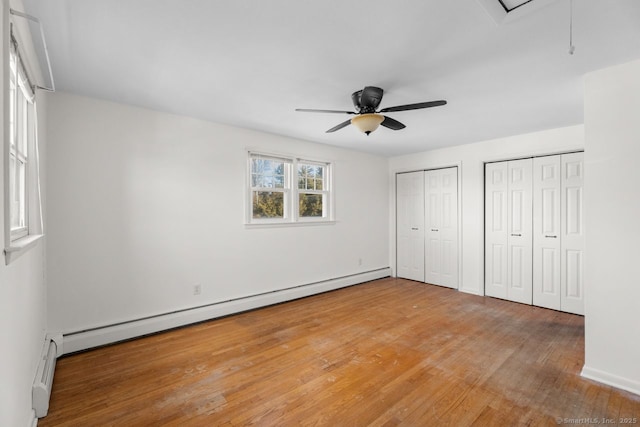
41 392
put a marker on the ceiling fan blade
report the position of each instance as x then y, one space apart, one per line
371 97
393 124
340 126
413 106
311 110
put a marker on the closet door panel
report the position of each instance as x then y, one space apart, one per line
517 260
433 260
449 227
572 242
496 229
433 220
410 225
441 227
520 236
546 231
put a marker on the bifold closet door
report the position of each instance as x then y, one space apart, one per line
572 240
557 244
410 225
441 227
496 229
520 260
547 184
508 230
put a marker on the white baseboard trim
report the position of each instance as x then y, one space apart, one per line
84 340
611 379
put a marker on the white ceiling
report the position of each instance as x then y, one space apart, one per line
252 63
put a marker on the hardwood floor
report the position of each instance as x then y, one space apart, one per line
385 353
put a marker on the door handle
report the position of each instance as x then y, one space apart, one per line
434 229
414 228
552 237
517 235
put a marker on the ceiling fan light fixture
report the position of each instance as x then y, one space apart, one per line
367 123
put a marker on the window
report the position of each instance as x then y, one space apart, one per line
23 222
312 193
269 187
288 190
21 136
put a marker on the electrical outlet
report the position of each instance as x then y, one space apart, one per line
197 289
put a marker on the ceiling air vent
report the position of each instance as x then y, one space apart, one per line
505 10
510 5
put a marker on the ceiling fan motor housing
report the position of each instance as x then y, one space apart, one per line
367 100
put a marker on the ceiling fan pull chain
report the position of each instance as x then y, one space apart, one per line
572 48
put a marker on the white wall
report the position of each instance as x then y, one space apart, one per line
470 160
22 294
612 180
144 205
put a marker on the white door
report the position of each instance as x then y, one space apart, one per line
508 230
572 241
546 231
520 238
496 228
441 227
410 225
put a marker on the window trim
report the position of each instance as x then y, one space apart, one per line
291 214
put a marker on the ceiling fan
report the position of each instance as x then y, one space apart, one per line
367 119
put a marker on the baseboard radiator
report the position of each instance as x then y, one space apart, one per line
41 392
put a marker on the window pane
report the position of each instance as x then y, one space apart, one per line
278 178
12 113
13 192
30 137
320 178
310 177
17 193
268 204
267 173
310 205
302 176
21 123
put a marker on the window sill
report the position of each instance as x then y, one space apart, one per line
20 246
288 224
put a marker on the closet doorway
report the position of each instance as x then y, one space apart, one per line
427 226
534 231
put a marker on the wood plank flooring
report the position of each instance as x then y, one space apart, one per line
390 352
